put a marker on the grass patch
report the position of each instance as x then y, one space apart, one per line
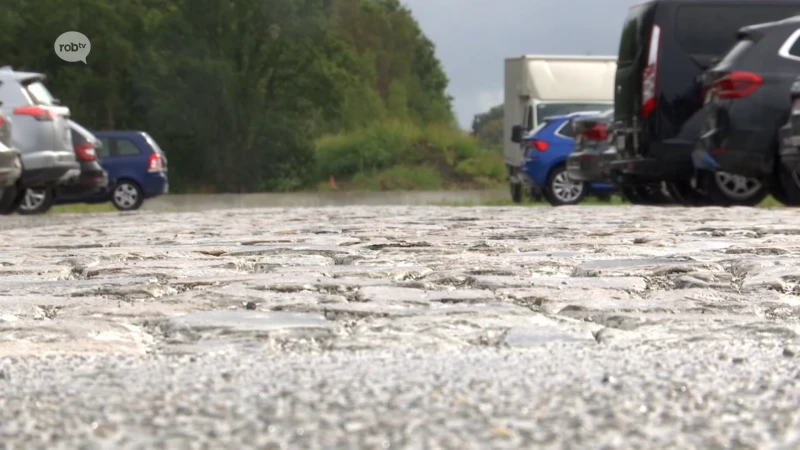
401 156
82 208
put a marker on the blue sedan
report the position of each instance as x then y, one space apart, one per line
546 150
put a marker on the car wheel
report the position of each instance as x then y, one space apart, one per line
535 194
650 194
562 190
727 189
10 199
685 194
787 190
36 201
127 196
516 192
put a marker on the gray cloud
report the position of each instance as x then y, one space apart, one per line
473 37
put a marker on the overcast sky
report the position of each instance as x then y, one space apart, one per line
473 37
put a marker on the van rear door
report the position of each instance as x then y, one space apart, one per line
631 61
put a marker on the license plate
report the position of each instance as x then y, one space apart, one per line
621 142
795 141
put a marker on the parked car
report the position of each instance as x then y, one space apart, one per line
41 132
786 189
136 167
544 162
748 100
91 179
665 47
10 169
594 148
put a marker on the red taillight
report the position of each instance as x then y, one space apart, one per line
37 112
2 121
598 132
85 152
156 165
736 85
541 146
649 75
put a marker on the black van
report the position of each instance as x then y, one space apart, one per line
665 47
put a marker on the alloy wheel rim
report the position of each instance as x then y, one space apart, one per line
125 195
34 198
565 189
737 186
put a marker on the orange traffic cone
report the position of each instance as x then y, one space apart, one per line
332 182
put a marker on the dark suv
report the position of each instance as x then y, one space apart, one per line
665 48
748 101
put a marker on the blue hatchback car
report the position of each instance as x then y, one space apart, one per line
546 149
136 166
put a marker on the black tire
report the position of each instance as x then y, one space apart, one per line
557 176
127 195
10 199
719 197
535 194
516 192
36 201
787 189
649 194
685 194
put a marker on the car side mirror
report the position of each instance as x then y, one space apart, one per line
516 134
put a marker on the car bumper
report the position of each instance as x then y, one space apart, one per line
587 166
87 183
748 161
651 169
10 168
49 168
155 184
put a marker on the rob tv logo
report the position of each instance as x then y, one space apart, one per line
73 46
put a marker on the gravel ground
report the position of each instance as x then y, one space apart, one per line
402 327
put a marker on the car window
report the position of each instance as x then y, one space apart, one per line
126 147
631 40
77 138
529 125
795 49
153 144
711 29
105 150
39 94
562 109
739 49
567 130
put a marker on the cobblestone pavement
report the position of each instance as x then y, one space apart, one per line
403 327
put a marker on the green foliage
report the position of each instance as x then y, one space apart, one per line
399 155
488 128
238 92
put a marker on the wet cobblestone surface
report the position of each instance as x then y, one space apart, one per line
402 327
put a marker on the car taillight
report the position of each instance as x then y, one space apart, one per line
2 122
85 152
541 146
736 85
37 112
598 132
650 74
156 165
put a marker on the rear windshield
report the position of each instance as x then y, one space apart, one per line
739 49
77 138
710 30
631 40
544 110
153 144
39 94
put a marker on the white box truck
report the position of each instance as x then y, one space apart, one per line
539 86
